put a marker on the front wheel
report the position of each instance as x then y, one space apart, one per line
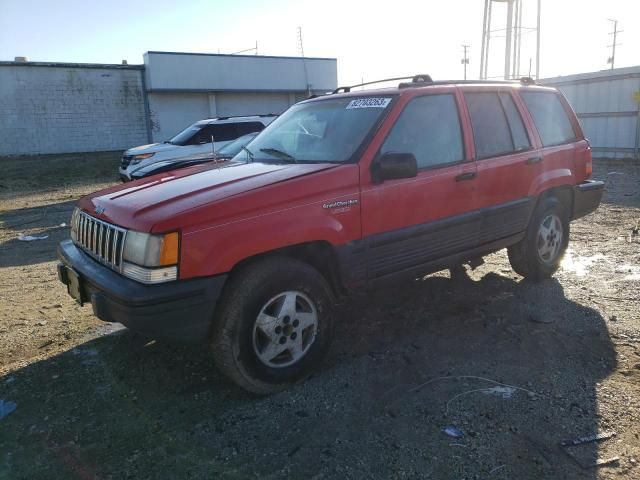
274 324
539 253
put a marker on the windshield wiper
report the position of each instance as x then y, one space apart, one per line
280 154
249 153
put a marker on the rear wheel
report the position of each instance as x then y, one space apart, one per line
539 253
274 324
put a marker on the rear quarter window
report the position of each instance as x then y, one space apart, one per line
550 117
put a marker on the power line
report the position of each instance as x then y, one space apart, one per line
252 49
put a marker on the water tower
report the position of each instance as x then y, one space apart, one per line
513 38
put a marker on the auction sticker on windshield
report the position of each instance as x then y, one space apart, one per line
371 102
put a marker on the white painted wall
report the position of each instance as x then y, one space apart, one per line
173 112
63 109
251 103
209 72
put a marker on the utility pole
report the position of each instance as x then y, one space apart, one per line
465 60
538 41
507 53
304 61
612 58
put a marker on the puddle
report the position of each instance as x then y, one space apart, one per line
504 392
578 264
632 271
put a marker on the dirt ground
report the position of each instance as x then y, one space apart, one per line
517 367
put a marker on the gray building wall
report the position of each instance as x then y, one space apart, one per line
609 114
64 108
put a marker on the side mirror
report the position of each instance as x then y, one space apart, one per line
392 165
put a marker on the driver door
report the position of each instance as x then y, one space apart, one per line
410 222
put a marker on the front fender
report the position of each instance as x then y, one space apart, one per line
219 248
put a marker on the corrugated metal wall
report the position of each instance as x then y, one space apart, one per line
608 112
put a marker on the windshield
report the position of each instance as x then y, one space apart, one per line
321 131
233 148
184 136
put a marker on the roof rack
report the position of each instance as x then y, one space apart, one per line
417 83
347 89
243 116
425 79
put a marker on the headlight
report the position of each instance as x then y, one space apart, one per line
138 158
150 258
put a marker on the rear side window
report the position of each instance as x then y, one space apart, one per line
550 117
248 127
497 125
428 127
223 132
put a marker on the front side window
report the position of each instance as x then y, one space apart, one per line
186 136
328 130
428 127
550 117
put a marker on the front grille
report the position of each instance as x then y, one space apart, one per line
101 240
126 160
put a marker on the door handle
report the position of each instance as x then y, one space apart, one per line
466 176
533 160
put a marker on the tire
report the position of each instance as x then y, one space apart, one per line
538 255
272 304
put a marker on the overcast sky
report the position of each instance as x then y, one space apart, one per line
370 39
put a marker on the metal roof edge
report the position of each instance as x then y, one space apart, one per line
601 75
236 90
153 52
109 66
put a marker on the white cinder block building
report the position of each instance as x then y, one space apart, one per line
60 108
69 107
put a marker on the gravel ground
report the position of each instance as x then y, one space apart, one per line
517 367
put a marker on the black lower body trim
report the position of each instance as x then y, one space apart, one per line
448 261
401 249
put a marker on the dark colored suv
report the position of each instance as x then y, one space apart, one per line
341 192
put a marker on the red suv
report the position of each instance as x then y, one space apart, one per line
341 192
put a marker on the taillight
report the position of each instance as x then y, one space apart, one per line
588 164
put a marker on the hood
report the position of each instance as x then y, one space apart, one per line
151 148
141 204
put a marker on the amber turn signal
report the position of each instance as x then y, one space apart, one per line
169 250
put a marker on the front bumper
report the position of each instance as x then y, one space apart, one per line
586 197
124 175
179 311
